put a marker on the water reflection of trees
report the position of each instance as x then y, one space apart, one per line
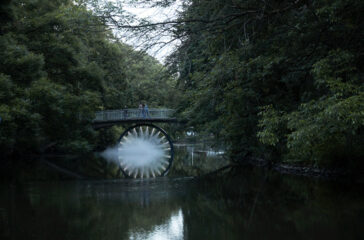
257 204
69 211
196 160
245 204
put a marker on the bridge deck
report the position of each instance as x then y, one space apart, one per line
111 117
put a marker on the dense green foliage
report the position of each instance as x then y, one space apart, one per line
59 63
280 80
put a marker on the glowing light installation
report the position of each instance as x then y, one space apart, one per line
145 151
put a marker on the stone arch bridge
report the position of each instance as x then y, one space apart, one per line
144 129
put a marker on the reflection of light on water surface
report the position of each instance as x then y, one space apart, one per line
171 230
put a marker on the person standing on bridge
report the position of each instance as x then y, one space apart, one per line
146 111
140 113
125 112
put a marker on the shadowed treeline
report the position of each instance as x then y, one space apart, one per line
59 64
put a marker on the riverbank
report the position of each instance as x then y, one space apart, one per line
39 168
306 171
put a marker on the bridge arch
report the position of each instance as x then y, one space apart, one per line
156 137
143 129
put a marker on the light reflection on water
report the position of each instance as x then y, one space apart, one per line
249 204
197 159
170 230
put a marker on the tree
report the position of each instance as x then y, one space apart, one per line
59 64
275 79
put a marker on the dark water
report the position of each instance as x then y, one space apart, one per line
249 204
196 160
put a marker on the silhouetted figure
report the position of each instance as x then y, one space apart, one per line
146 111
143 110
140 113
125 112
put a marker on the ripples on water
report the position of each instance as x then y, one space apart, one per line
250 204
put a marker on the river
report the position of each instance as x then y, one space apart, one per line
248 203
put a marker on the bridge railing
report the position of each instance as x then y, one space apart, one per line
133 114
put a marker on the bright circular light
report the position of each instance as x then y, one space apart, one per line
144 152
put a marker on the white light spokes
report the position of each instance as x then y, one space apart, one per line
144 152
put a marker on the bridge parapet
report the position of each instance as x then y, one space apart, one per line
134 114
